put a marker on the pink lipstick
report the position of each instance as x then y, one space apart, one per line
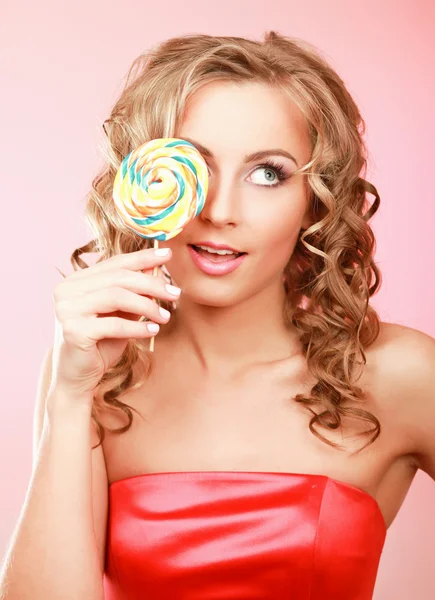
215 264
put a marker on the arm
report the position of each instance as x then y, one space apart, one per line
57 548
421 392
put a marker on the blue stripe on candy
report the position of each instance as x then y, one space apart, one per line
187 162
153 218
141 181
132 171
200 196
179 143
124 165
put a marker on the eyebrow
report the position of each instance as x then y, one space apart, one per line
249 157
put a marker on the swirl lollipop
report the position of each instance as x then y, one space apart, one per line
159 188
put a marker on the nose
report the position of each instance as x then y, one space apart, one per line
222 204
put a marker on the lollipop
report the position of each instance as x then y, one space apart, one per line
159 188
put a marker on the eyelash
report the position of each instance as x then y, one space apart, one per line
279 169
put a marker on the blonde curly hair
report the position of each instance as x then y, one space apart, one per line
331 274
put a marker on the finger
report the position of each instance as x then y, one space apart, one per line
101 302
113 327
135 261
137 282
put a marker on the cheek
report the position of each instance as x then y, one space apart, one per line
279 231
277 238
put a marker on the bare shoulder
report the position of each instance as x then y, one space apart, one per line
401 367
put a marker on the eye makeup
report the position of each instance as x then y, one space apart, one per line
281 172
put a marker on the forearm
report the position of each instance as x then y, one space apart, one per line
53 554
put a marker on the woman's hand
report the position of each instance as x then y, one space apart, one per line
97 311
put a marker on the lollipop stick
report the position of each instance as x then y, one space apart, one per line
155 273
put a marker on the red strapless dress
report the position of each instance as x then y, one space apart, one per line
221 535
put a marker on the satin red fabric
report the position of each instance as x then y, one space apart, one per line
221 535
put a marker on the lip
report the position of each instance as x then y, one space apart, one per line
217 246
212 268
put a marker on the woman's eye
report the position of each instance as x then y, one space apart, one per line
273 174
269 175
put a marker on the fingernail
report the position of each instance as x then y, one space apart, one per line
165 313
175 291
153 327
161 251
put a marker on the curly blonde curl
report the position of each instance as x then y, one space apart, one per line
331 274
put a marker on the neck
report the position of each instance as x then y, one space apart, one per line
233 338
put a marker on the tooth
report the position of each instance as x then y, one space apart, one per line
213 251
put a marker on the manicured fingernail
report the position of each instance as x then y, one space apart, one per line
153 327
165 313
161 251
175 291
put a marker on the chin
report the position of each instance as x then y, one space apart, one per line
213 295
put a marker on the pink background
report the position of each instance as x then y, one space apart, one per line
62 64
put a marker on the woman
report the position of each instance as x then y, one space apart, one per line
271 443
